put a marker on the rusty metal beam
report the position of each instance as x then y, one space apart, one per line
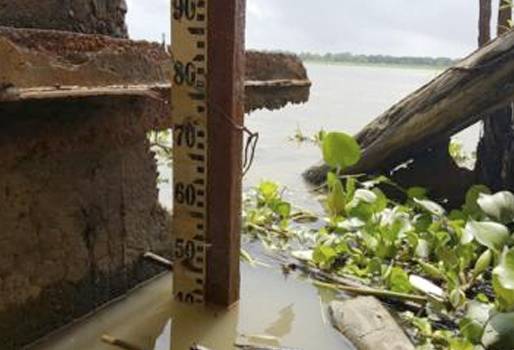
226 104
161 91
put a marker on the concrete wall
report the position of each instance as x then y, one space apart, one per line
83 16
78 192
78 207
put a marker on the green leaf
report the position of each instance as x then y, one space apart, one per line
431 270
460 344
467 235
363 211
448 256
499 332
432 207
375 266
473 324
423 249
336 199
365 196
457 298
268 190
417 192
340 150
398 281
351 186
426 346
457 215
490 234
483 263
361 196
422 222
424 326
471 206
324 255
481 297
499 206
283 209
466 254
381 203
386 250
503 281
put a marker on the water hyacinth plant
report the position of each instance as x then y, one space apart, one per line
462 261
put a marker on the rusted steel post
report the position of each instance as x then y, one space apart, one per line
226 113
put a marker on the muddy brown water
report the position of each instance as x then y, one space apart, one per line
275 310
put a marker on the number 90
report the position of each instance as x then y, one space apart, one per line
184 8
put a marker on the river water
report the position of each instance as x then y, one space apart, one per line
275 309
343 98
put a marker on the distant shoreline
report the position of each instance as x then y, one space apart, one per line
378 65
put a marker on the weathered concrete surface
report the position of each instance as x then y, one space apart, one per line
34 58
78 192
83 16
78 206
269 66
262 66
366 323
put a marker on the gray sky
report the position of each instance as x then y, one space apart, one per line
395 27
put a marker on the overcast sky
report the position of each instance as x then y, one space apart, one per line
395 27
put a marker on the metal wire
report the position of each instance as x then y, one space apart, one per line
250 145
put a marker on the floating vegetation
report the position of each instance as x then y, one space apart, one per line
300 137
460 156
461 262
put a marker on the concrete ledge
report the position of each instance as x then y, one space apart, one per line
70 62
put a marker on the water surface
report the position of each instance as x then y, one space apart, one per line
274 310
343 98
281 311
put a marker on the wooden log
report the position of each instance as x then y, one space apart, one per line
122 344
494 154
366 323
259 347
453 101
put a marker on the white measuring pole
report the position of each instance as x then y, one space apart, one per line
207 108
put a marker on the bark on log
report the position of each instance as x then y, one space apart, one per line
484 23
454 100
494 154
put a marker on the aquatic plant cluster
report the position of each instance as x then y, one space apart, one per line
460 262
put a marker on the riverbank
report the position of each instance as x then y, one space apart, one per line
378 65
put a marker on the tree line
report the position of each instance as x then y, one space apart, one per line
347 57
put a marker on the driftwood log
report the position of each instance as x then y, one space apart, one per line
453 101
368 325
